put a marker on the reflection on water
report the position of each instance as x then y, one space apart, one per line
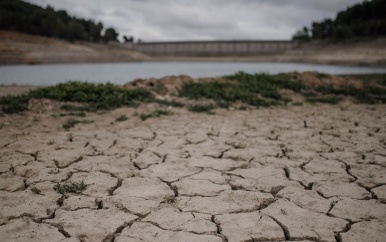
121 73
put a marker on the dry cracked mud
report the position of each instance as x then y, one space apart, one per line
254 175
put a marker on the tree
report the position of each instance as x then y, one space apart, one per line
96 31
75 31
110 35
16 15
126 39
302 34
360 20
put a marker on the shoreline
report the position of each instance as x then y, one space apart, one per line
17 48
231 59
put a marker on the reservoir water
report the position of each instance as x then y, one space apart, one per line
120 73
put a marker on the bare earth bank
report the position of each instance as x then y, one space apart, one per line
17 48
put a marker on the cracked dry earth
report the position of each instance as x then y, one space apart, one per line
311 173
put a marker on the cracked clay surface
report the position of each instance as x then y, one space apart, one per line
309 173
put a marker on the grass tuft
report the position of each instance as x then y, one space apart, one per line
322 75
201 108
172 103
324 99
155 114
71 187
72 122
121 118
77 114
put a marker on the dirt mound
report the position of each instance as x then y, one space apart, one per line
165 85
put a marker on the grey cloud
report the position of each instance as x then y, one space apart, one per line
203 19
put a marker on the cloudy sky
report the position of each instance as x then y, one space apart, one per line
159 20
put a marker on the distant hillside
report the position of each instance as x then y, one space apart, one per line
16 15
367 19
18 48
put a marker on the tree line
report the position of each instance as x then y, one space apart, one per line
16 15
366 19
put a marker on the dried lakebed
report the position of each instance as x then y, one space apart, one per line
298 173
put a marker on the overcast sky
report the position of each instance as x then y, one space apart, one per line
159 20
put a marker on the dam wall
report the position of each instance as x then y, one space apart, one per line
212 48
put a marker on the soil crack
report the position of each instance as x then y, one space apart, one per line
112 189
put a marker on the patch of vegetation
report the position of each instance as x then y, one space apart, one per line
243 108
155 114
322 75
74 108
324 99
383 81
297 104
71 187
121 118
261 82
72 122
201 108
93 97
54 171
157 87
369 94
259 90
253 89
172 103
77 114
14 104
223 104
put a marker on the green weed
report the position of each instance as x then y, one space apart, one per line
322 75
72 122
14 104
77 114
121 118
261 82
324 99
92 97
54 171
170 103
225 92
382 82
155 114
253 89
297 104
71 187
201 108
368 94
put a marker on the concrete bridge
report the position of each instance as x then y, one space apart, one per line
213 48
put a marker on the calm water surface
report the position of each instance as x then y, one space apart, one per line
120 73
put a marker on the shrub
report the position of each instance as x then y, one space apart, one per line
93 97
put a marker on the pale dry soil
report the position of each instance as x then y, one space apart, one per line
309 173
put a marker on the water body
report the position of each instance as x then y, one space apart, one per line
120 73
